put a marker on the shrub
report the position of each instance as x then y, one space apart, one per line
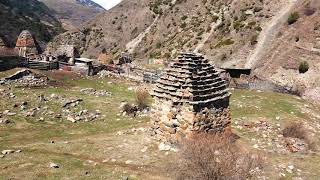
303 67
184 18
142 96
298 130
130 109
183 25
295 130
208 157
293 17
254 39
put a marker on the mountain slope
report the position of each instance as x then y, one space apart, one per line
160 28
233 34
17 15
111 30
295 43
73 13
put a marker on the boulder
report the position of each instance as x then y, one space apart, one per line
53 165
4 152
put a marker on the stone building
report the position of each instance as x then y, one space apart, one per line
26 44
63 53
190 97
6 51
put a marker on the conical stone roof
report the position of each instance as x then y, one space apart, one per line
25 39
190 79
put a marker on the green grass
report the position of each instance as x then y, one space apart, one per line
26 129
98 140
267 104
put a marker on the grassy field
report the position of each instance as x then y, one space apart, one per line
116 147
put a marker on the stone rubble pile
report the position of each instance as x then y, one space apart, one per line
71 109
83 115
104 73
270 137
190 96
25 78
5 93
94 92
28 81
5 153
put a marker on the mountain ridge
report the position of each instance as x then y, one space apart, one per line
73 13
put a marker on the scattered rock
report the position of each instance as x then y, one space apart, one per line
144 149
164 147
53 165
4 121
26 78
128 162
104 74
93 92
72 103
4 152
70 118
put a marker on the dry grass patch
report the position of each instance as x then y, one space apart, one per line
142 96
210 157
298 130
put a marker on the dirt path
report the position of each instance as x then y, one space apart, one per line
268 34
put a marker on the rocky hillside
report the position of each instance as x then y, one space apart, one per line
272 37
297 42
224 30
73 13
111 30
17 15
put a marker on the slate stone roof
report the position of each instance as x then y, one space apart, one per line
25 39
191 79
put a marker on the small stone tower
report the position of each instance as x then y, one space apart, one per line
26 44
190 97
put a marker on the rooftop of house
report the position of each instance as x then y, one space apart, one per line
86 60
25 39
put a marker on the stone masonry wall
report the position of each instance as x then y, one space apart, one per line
190 97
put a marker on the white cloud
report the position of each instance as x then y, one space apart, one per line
107 4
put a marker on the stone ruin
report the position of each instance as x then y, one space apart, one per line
190 97
26 79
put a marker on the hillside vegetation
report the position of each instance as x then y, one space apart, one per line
16 15
273 37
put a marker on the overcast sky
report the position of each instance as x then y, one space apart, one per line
107 4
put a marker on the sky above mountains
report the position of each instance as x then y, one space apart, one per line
107 4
